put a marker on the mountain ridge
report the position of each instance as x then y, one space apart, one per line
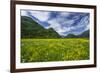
31 29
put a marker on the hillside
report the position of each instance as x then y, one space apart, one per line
85 34
31 29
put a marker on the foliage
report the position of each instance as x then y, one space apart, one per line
44 50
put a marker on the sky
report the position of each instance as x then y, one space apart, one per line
62 22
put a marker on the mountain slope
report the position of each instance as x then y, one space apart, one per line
31 29
85 34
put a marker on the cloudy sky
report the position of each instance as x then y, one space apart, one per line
62 22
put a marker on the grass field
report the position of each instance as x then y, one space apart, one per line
44 50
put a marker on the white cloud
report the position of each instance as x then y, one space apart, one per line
54 24
23 13
57 27
42 16
87 27
83 23
65 14
68 22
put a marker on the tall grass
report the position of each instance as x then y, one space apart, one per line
44 50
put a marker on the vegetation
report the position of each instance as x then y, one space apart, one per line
43 50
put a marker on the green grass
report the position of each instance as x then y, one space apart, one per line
44 50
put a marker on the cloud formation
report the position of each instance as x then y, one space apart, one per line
62 22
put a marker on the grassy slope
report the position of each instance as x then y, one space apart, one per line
40 50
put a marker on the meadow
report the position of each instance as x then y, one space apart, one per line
44 50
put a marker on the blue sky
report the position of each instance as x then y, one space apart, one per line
62 22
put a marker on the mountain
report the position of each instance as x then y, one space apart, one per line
31 29
71 36
85 34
